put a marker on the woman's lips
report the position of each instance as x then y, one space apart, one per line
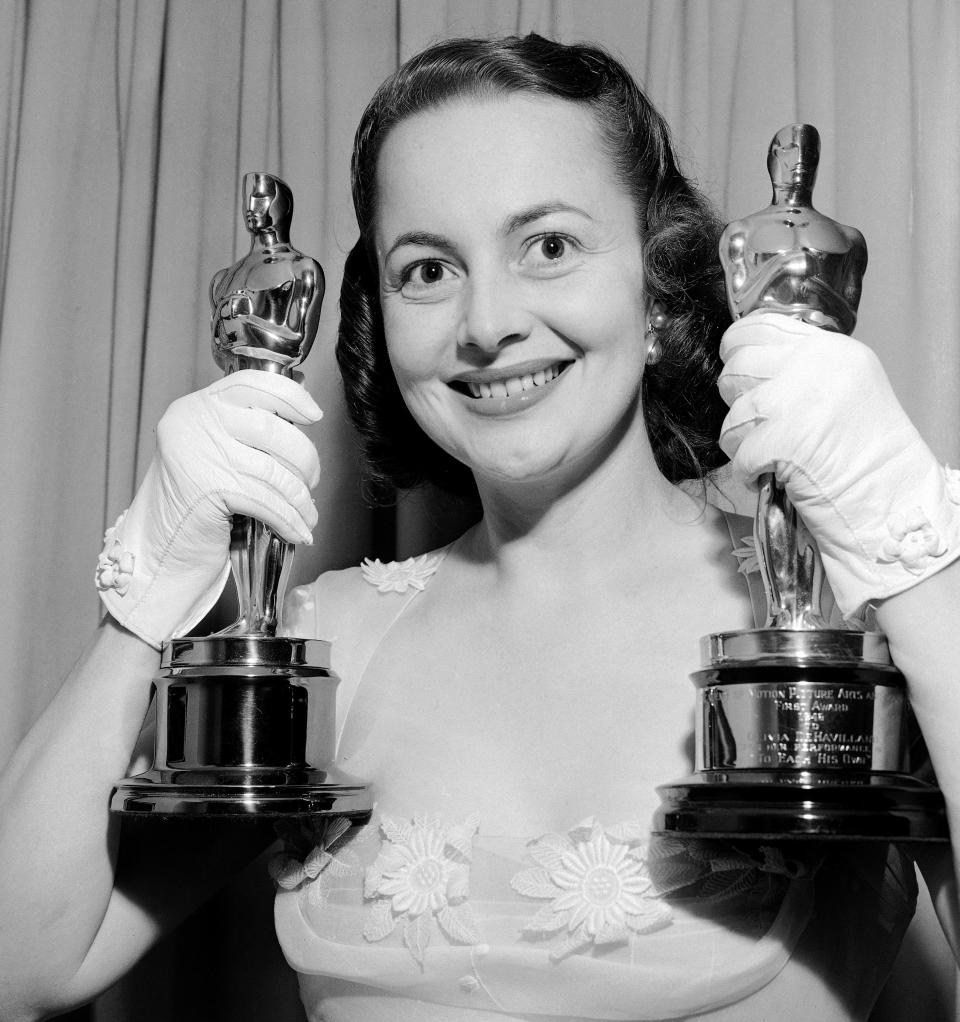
506 394
514 384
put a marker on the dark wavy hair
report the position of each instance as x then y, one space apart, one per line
678 229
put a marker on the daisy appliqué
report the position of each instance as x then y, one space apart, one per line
399 576
114 565
746 554
710 872
421 880
596 881
313 851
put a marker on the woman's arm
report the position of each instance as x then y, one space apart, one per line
923 628
58 845
78 905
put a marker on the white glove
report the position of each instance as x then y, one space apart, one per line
817 409
229 449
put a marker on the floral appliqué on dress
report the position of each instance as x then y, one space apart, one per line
114 565
399 576
712 872
422 876
597 883
312 853
747 555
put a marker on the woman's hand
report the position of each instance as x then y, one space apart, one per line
817 409
229 449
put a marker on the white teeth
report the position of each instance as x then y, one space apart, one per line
515 384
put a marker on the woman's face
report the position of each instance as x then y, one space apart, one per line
511 285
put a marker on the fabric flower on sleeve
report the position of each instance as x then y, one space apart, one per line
912 540
596 881
114 565
399 576
422 876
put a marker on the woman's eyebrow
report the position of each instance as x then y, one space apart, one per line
424 238
515 222
527 216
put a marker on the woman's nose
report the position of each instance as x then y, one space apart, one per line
494 313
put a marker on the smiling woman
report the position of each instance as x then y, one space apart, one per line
563 218
533 315
521 282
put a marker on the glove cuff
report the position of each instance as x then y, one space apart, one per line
140 588
919 537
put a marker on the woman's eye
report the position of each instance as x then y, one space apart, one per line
423 276
549 252
553 246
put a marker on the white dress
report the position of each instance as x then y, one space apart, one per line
420 918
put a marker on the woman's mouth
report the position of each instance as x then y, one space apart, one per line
507 386
505 394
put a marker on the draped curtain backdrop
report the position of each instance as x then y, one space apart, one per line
126 127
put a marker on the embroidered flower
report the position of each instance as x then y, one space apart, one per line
422 874
713 871
952 479
913 541
597 882
114 565
399 576
746 554
311 853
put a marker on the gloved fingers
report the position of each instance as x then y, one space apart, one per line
273 435
757 453
769 328
256 470
257 500
254 388
740 421
749 366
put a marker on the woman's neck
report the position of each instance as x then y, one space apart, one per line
622 507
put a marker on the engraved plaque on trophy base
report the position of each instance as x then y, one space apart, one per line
245 727
800 734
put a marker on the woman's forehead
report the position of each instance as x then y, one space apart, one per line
491 155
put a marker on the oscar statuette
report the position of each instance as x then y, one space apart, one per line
800 726
246 717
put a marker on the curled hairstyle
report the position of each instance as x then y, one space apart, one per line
678 230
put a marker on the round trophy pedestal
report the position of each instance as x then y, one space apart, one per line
801 734
780 805
245 728
325 794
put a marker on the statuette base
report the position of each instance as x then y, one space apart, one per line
800 734
245 728
786 805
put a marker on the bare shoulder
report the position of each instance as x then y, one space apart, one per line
321 609
338 602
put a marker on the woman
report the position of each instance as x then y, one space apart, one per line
532 313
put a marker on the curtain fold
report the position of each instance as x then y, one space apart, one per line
127 125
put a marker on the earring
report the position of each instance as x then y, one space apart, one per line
654 350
